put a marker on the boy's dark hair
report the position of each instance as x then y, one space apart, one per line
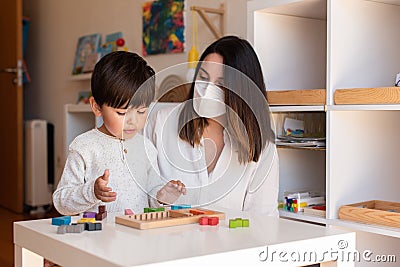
117 77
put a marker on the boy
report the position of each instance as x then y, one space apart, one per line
112 164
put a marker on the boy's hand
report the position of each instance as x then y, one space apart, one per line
170 192
102 191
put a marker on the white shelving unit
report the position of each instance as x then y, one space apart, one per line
290 39
337 44
78 118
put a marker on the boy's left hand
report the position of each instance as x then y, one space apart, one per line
170 192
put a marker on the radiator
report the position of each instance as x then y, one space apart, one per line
38 163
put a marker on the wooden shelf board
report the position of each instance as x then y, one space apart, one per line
367 96
78 108
307 97
296 108
81 77
370 228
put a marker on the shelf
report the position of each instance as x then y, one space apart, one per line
300 216
81 77
375 229
277 109
363 107
368 96
303 148
310 97
78 108
390 2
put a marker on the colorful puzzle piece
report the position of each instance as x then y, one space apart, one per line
146 210
79 227
75 228
201 212
102 214
89 214
209 221
180 207
86 220
128 212
239 222
63 220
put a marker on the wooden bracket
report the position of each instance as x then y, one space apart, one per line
203 14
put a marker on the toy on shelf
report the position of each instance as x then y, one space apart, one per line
167 218
297 201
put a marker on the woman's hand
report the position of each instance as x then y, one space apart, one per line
170 192
102 191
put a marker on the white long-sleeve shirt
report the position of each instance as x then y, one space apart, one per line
251 186
133 172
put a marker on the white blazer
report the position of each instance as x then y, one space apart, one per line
252 186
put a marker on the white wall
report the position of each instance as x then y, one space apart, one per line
55 29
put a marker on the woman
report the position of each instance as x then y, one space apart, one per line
220 143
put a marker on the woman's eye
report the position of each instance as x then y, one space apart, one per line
121 113
203 78
141 111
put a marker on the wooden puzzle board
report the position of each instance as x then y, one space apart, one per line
166 218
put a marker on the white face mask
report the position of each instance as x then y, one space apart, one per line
208 100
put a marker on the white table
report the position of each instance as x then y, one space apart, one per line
280 240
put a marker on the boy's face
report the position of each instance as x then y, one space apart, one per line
123 123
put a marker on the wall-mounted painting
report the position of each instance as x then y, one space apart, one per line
163 27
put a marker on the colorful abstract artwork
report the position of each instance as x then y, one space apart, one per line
163 27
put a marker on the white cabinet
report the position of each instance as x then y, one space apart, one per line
336 44
77 119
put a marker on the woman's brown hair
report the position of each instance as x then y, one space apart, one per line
248 116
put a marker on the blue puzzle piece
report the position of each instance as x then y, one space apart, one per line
179 207
63 220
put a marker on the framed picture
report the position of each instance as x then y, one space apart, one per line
83 97
88 44
90 62
163 27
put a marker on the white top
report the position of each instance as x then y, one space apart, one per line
93 152
251 186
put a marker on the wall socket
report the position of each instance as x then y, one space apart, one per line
397 80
